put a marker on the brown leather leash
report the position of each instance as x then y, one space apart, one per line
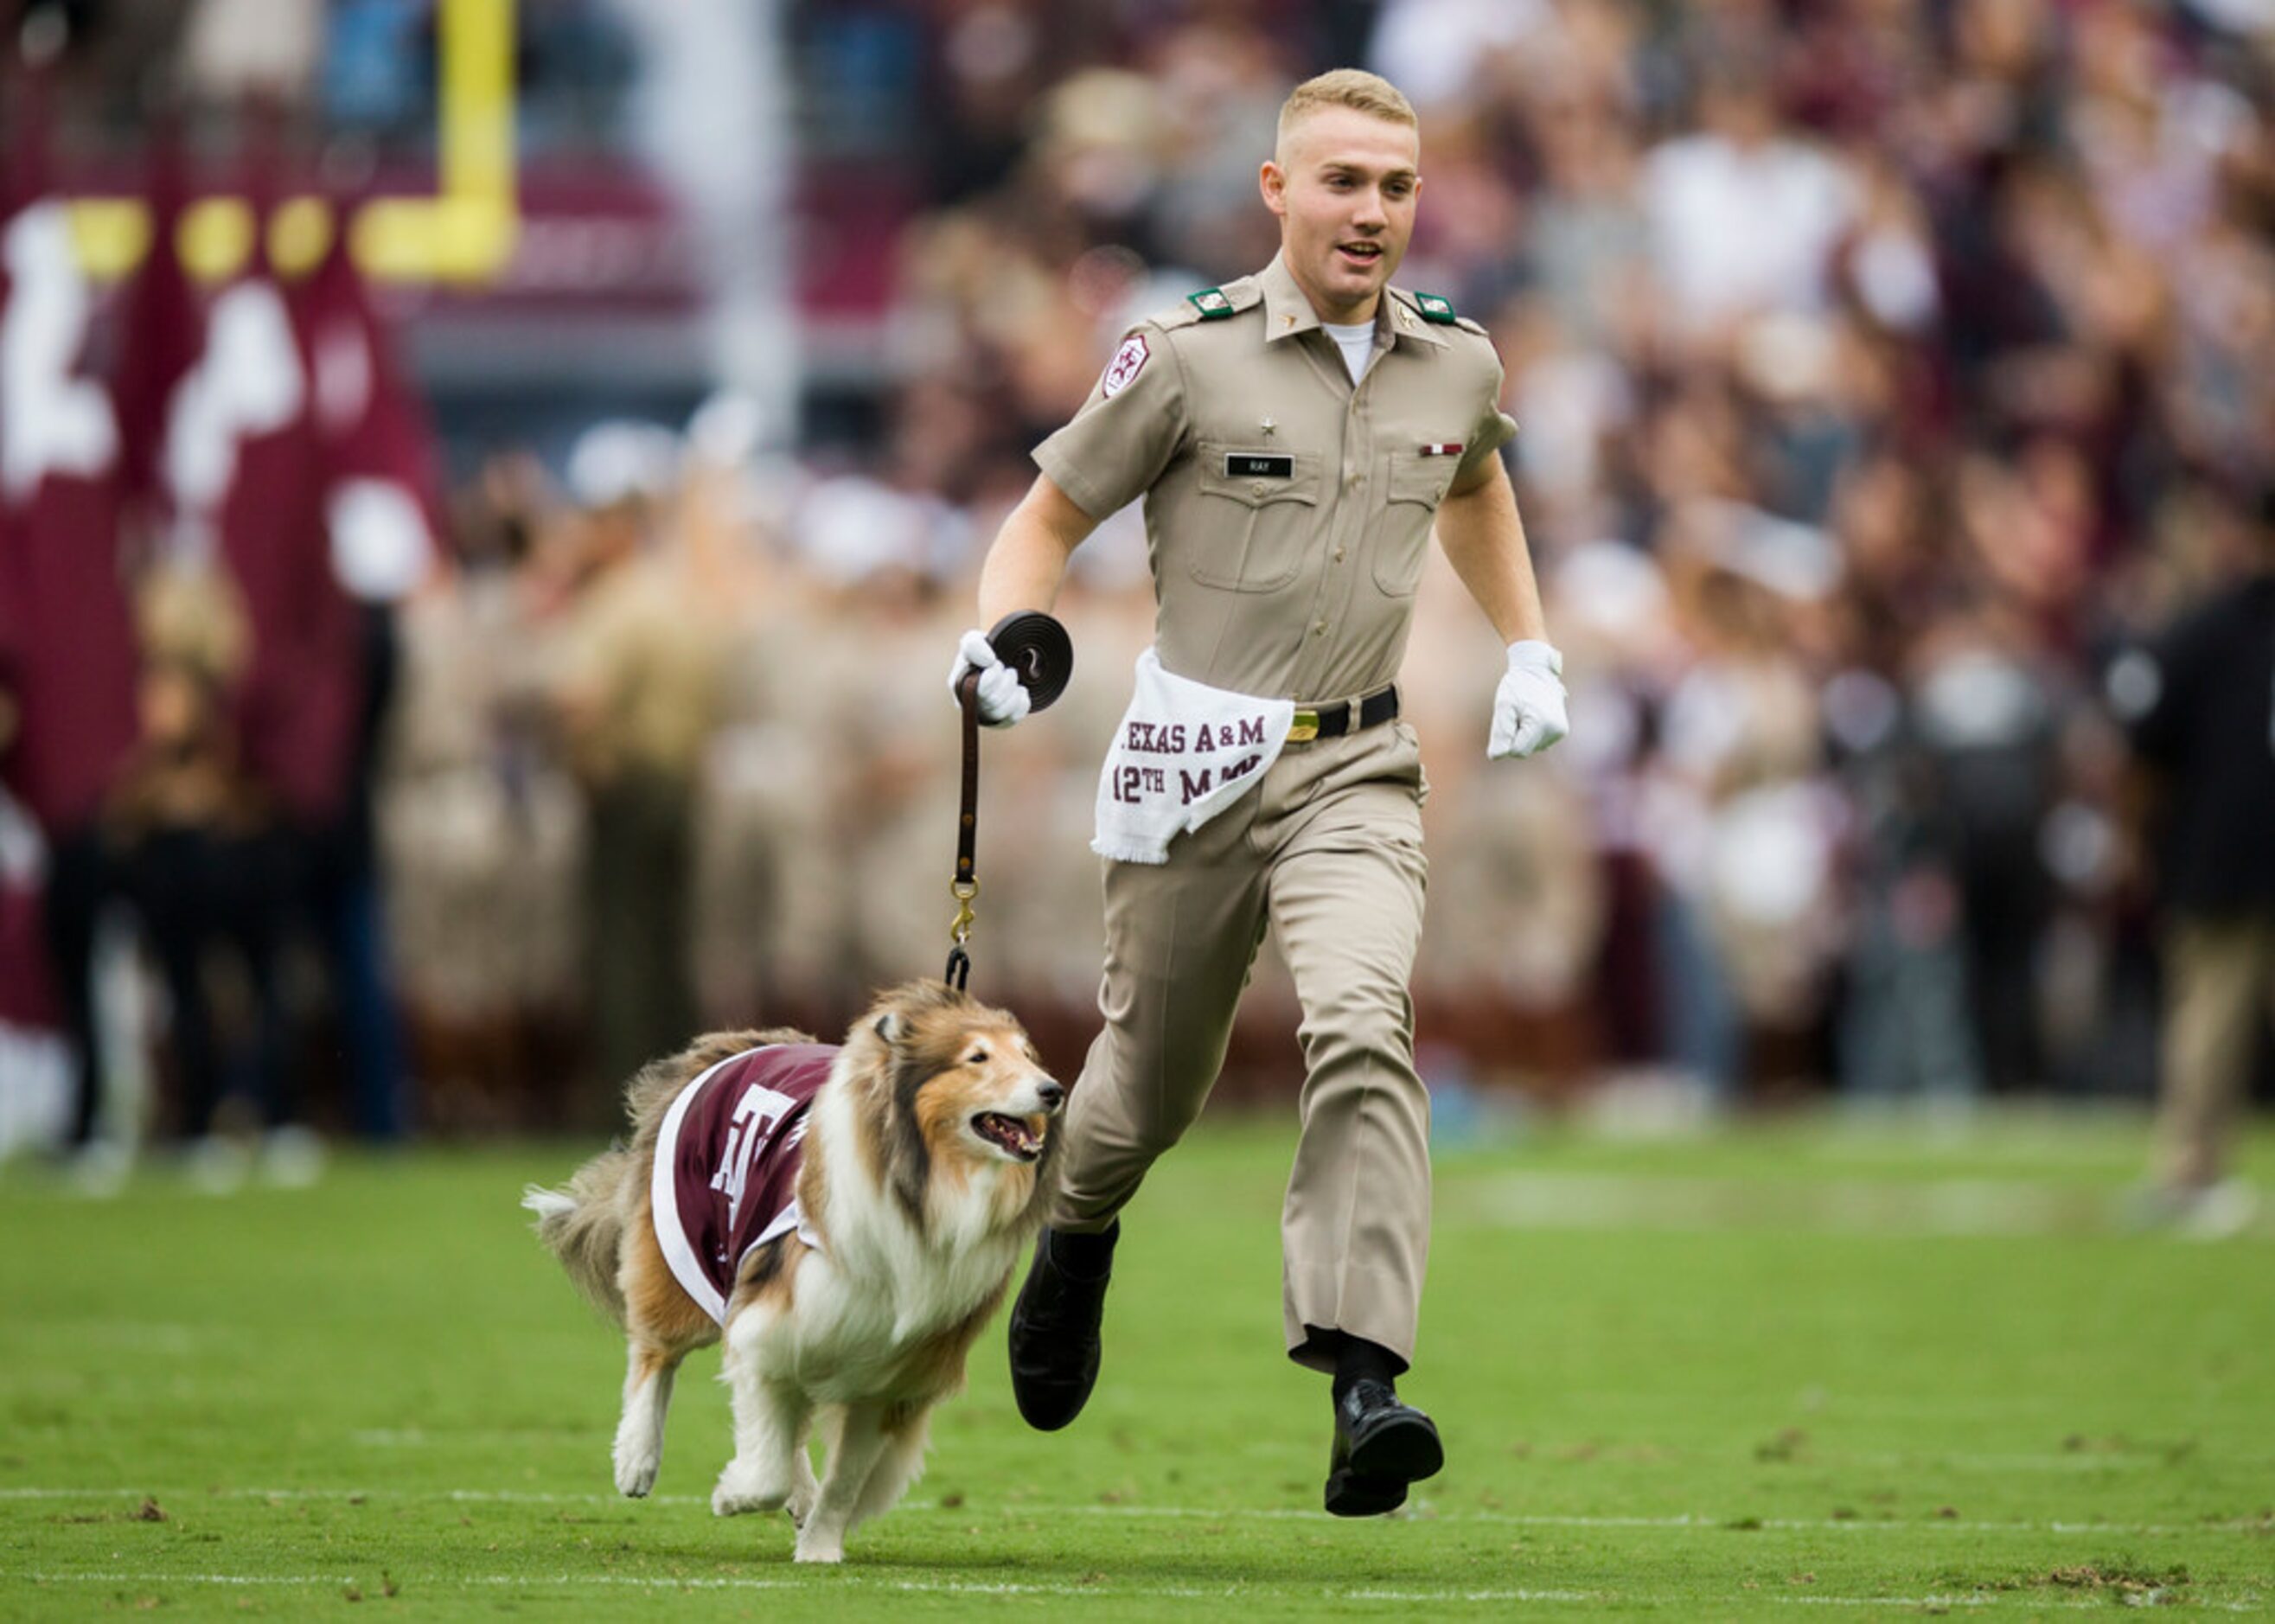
1041 656
965 886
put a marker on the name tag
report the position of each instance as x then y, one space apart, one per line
1259 466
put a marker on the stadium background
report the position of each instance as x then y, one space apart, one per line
1883 370
1886 371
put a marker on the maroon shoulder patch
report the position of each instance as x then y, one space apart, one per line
1127 362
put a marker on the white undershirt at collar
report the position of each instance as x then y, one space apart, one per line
1357 342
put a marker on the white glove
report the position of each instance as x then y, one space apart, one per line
1002 699
1528 704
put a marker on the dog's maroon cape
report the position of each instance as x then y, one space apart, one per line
725 1179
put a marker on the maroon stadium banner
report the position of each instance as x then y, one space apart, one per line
66 642
382 476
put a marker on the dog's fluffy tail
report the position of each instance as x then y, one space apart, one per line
583 1227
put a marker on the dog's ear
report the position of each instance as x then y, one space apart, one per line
890 1026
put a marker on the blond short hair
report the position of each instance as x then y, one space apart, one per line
193 614
1352 87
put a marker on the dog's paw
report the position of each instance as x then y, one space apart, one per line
725 1504
828 1551
740 1489
636 1474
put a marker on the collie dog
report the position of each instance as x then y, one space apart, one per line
847 1217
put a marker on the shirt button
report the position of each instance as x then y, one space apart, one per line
1256 489
1319 630
1339 555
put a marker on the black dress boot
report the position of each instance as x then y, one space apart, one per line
1382 1445
1054 1337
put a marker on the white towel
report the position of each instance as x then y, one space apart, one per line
1184 753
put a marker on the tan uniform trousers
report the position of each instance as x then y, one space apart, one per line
2219 977
1327 852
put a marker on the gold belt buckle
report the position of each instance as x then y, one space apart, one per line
1306 728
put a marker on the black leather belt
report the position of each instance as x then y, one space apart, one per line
1333 721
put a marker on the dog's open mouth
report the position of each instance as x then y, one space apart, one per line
1012 1135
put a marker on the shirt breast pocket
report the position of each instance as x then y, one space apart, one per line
1416 485
1259 518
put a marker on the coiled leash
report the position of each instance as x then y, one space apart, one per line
1041 656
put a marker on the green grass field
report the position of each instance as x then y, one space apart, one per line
1802 1365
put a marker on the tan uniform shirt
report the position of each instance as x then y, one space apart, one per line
1287 510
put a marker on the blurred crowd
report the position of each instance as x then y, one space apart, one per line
1883 370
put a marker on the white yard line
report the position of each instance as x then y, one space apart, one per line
517 1497
1735 1524
1732 1523
942 1587
1903 1601
2034 1601
190 1578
